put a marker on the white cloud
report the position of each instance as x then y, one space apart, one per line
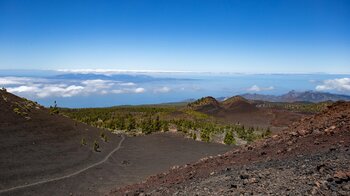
47 90
118 91
163 89
43 88
128 90
21 89
256 88
140 90
339 84
14 80
127 84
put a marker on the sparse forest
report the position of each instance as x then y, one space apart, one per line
135 120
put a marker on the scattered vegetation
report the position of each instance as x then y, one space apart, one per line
21 108
136 120
305 107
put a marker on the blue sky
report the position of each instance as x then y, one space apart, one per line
217 35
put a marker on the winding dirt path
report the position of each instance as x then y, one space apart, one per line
68 175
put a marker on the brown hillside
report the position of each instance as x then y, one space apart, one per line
240 110
207 105
238 104
310 157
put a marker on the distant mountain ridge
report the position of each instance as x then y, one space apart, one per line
295 96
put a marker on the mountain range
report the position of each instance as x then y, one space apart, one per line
295 96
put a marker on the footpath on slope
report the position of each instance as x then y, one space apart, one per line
67 175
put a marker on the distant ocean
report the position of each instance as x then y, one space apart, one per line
101 89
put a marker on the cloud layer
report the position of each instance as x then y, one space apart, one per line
339 84
256 88
42 88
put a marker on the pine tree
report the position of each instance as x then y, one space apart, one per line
131 124
156 124
229 139
165 126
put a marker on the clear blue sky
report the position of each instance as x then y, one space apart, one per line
217 35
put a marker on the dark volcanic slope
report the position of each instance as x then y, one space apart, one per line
36 146
310 157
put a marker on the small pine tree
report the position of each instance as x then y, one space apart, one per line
229 139
205 135
157 125
96 146
83 142
267 132
131 123
194 136
165 126
103 136
147 126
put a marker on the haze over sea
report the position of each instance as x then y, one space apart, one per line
101 88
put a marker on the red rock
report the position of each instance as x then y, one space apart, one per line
302 132
343 175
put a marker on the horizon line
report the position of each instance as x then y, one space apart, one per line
118 71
